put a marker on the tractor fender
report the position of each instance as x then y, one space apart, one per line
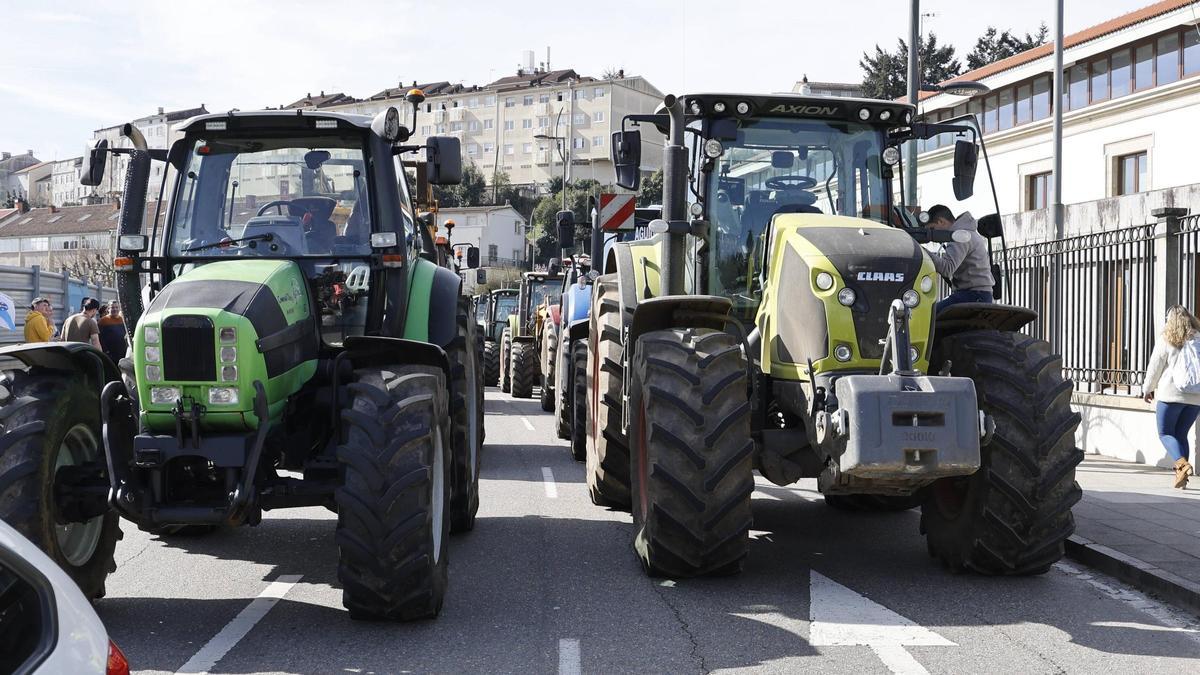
432 304
577 330
70 357
677 311
577 302
981 316
378 350
637 268
555 314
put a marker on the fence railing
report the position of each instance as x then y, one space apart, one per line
23 284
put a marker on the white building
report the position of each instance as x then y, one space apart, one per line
158 129
1131 103
65 189
498 123
498 231
33 183
10 165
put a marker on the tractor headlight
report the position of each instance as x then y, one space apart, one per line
228 354
152 354
229 373
913 355
846 296
910 298
222 395
926 283
842 353
164 395
150 334
824 281
153 374
228 335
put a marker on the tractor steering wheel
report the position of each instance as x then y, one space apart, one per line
792 182
277 203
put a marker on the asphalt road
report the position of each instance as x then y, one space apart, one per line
548 583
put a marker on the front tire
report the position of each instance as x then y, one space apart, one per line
52 421
506 361
466 427
1013 515
491 363
579 361
523 368
693 453
395 497
607 446
547 368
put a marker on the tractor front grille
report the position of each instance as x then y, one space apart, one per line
189 349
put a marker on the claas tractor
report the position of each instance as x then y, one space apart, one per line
499 305
521 340
290 347
783 318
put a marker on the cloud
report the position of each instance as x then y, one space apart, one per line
59 17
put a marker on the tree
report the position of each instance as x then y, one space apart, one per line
651 190
93 267
995 45
470 192
544 233
611 73
885 74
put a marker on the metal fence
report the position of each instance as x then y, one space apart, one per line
23 284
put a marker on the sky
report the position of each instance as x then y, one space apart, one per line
81 66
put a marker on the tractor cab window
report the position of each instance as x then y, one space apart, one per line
777 166
265 197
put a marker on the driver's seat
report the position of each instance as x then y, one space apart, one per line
320 230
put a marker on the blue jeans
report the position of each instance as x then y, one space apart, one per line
959 297
1175 420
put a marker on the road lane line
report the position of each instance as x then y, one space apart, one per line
897 660
235 630
548 482
568 657
528 425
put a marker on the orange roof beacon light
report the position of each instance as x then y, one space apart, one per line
414 96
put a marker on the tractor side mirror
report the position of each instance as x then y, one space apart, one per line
966 158
566 228
444 161
627 158
990 226
480 276
93 163
472 257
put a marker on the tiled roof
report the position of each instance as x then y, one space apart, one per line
1073 40
429 88
177 115
321 100
66 220
31 167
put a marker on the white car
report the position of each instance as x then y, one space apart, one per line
46 624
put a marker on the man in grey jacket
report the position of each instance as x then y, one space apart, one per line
964 260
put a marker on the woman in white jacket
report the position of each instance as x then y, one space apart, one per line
1176 410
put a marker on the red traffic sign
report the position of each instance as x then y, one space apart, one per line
616 212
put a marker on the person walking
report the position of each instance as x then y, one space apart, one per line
963 261
38 322
82 327
112 331
1169 383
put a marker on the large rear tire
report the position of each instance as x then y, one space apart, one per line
50 421
693 468
547 366
607 446
506 361
1013 515
524 369
564 390
579 408
394 502
491 363
465 422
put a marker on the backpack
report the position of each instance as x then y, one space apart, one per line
1185 371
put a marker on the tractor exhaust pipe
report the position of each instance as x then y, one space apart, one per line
133 211
675 176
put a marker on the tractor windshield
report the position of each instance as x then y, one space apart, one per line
786 165
505 305
289 197
540 290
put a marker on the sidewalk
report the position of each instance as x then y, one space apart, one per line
1133 525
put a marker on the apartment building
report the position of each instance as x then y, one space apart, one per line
158 129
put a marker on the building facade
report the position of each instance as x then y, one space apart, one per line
10 168
65 188
158 130
498 231
33 183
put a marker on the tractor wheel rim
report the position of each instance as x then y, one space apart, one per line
437 507
78 541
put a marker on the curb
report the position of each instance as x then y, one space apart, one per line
1172 588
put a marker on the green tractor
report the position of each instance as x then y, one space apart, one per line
786 321
497 307
521 343
291 346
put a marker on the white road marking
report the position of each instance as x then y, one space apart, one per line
568 657
838 616
548 482
216 648
528 424
1169 618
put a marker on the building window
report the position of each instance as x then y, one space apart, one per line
441 128
579 93
489 101
543 122
473 125
1191 52
510 102
597 141
1121 74
425 130
473 102
1037 191
527 123
508 148
598 92
1005 109
1143 67
1077 90
527 148
1131 173
1166 61
516 227
456 126
543 98
580 118
473 149
489 148
579 143
508 125
527 99
1100 80
598 116
1024 103
493 252
487 124
989 115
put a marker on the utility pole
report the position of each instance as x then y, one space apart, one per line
1056 104
914 86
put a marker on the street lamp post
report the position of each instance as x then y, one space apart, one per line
559 142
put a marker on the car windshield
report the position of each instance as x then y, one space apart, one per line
786 165
272 197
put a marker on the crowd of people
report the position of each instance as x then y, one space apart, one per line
106 333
